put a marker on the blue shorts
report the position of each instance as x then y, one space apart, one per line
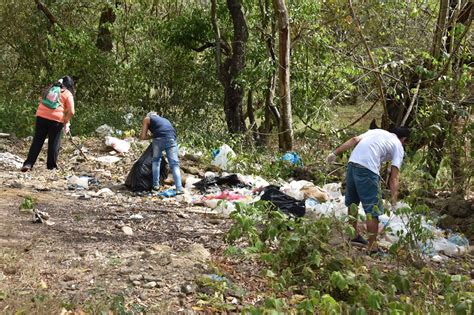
363 185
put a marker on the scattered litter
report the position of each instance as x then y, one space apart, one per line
108 159
4 135
136 216
103 192
225 208
285 203
458 239
303 189
224 181
226 195
121 146
167 193
293 158
128 119
223 157
41 217
75 182
104 130
127 230
190 181
9 160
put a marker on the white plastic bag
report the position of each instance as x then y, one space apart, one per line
121 146
222 159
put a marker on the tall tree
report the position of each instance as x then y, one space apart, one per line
230 69
286 122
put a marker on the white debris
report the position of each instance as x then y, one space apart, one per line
104 130
224 157
108 159
117 144
9 160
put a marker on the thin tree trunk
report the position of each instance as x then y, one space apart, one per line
217 36
286 124
440 29
232 68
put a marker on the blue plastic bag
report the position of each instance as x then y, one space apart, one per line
293 158
167 193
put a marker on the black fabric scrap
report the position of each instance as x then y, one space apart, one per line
225 181
285 203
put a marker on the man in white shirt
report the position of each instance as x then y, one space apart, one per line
363 175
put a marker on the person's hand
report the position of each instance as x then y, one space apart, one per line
393 208
331 158
67 128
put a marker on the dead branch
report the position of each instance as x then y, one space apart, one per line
52 19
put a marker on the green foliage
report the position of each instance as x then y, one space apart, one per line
322 279
28 203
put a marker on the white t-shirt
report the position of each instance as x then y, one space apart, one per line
375 147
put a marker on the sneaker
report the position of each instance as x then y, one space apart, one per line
179 192
359 240
25 168
155 188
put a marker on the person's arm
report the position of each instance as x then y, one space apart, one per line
394 183
347 145
344 147
144 134
70 110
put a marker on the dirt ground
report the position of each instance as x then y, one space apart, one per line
84 261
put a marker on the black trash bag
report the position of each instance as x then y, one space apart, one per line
285 203
140 177
231 180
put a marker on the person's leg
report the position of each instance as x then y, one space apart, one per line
54 143
368 187
173 160
41 131
352 199
372 230
155 164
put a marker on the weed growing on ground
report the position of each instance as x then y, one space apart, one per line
309 275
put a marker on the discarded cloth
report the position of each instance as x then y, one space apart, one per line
285 203
226 181
225 195
140 177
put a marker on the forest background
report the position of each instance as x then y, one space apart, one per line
265 77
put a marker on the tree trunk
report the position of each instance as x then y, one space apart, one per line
104 37
286 124
232 67
440 29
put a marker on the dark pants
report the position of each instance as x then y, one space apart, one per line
51 129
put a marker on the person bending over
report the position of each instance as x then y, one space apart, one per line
164 139
372 148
